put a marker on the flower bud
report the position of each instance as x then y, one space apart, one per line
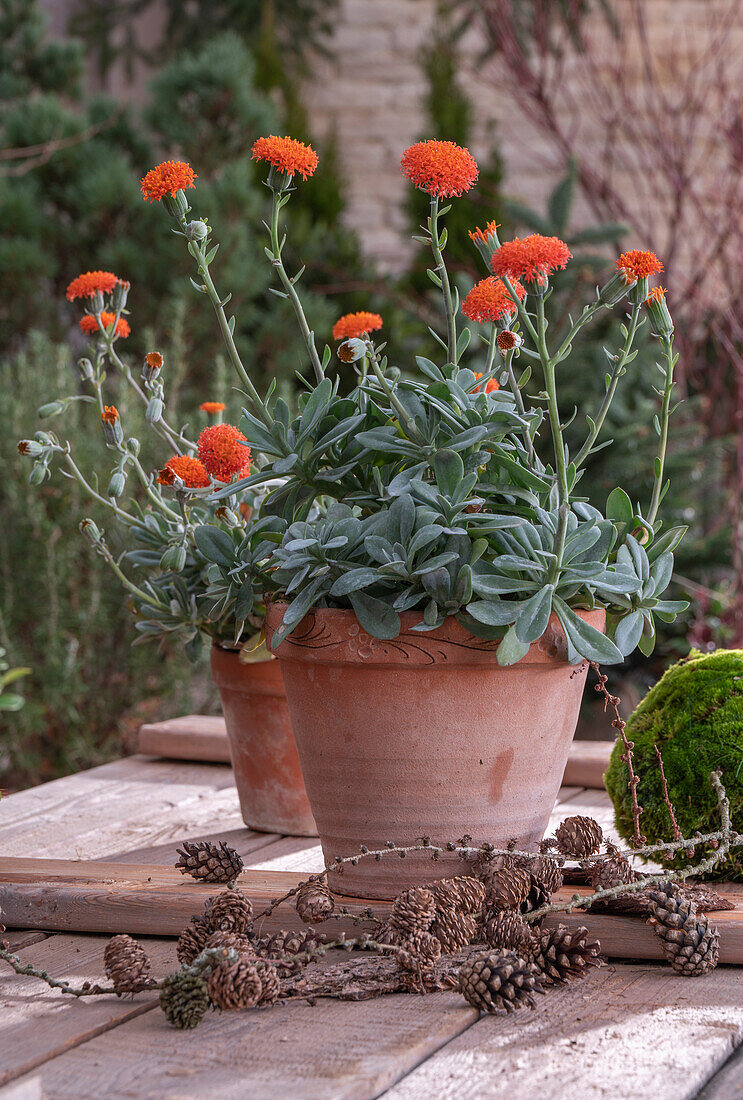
112 431
177 204
39 473
90 530
227 516
153 362
618 286
132 446
154 410
120 295
30 447
278 180
351 350
117 484
196 231
86 369
486 241
53 408
173 559
95 303
661 321
639 292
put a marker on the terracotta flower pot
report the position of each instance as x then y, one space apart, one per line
424 735
264 754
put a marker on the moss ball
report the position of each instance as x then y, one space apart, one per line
694 714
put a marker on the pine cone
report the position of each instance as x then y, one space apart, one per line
236 940
192 941
425 946
271 984
508 888
388 934
235 985
209 862
413 910
499 982
562 955
547 874
462 892
453 929
507 931
690 943
610 870
579 837
229 912
416 957
281 944
184 999
314 902
127 965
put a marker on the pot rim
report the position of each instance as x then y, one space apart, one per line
330 635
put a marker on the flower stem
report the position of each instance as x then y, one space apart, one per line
441 272
288 285
664 418
616 374
548 366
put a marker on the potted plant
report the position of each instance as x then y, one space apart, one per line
175 588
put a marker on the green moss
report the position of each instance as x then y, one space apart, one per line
694 714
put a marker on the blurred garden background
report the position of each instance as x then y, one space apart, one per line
613 123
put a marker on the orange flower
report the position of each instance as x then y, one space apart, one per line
85 286
222 450
167 179
110 414
531 258
287 154
354 325
489 300
639 265
89 324
154 360
441 168
191 472
657 294
212 407
490 386
482 235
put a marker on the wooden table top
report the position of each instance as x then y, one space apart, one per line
636 1030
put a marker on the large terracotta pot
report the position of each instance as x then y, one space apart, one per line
424 735
264 754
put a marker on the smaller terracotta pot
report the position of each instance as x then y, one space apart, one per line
264 755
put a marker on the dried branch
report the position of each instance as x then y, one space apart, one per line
86 990
667 797
619 724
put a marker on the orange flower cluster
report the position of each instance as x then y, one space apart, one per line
191 472
490 386
482 235
531 258
489 300
212 407
110 414
639 265
221 449
657 294
89 324
167 179
154 360
354 325
88 284
287 154
441 168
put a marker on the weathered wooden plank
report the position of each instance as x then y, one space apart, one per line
635 1031
249 844
155 900
204 737
193 737
727 1083
332 1051
17 940
112 809
39 1023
